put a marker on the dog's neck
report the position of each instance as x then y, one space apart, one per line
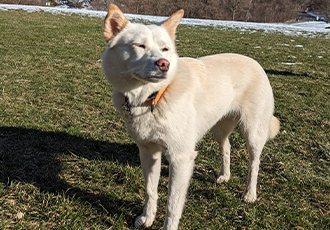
152 100
138 92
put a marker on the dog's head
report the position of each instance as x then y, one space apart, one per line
139 53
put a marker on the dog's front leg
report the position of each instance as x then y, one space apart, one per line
181 169
150 156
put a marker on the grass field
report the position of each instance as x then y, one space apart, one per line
66 161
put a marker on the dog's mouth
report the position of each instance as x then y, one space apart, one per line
158 77
150 78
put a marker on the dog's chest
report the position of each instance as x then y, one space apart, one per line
143 125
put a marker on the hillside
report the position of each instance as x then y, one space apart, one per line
66 160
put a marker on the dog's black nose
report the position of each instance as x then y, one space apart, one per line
163 64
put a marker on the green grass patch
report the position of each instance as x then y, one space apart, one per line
66 161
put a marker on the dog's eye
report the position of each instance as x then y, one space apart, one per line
142 46
165 49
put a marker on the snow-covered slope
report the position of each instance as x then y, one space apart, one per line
307 29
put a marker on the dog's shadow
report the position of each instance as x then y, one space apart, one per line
32 156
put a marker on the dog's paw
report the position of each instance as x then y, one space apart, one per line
223 178
144 221
249 197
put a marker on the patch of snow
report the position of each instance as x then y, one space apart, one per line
257 47
320 56
291 63
283 44
64 7
306 29
299 46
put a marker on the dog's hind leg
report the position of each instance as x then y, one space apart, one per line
150 156
181 169
221 132
256 134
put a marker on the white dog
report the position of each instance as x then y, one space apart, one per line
169 103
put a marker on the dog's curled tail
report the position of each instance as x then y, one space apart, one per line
274 127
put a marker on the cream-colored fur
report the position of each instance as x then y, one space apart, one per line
218 91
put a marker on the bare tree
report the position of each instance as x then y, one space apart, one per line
248 10
233 6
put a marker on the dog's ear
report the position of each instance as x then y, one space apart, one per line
114 22
171 23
